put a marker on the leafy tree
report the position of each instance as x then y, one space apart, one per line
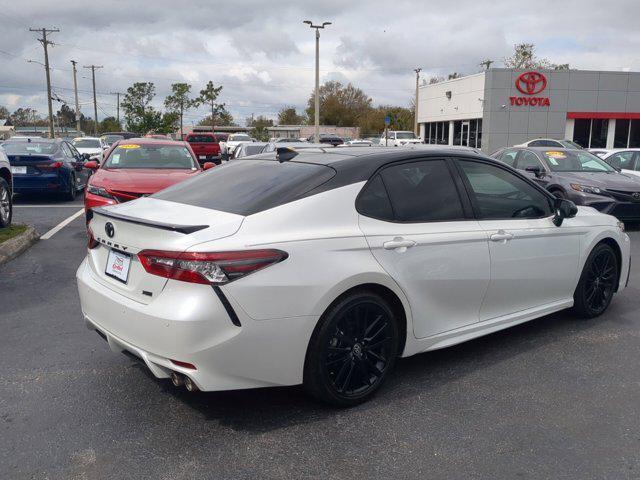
524 58
179 101
4 112
223 118
66 116
208 96
372 123
289 116
24 117
109 124
339 105
140 116
259 127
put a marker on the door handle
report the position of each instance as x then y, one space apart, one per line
399 244
501 236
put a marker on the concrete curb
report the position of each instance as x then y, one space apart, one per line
16 245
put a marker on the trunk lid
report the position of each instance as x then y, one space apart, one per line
151 224
33 164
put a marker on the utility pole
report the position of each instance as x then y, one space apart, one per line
95 102
117 94
45 43
75 88
317 93
415 113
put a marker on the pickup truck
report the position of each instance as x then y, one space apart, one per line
206 146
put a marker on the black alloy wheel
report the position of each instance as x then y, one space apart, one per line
6 204
352 350
597 282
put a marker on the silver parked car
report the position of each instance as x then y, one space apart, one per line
6 190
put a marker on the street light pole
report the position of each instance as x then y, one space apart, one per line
317 90
415 113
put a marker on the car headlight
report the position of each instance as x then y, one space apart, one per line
101 192
587 189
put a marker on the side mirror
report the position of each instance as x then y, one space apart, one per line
92 165
86 156
536 170
564 209
208 165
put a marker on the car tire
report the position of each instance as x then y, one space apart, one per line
6 204
597 282
352 350
71 193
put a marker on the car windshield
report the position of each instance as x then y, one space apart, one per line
240 138
405 135
86 143
570 144
150 156
574 161
27 148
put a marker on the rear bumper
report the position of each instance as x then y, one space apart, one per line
189 323
40 183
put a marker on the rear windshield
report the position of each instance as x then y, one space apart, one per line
86 143
201 139
150 156
246 187
26 148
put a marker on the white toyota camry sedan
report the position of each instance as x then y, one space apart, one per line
322 267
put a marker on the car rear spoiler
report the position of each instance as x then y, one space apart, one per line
186 229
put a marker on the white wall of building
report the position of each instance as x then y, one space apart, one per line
467 97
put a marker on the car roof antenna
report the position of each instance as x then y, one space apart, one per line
284 154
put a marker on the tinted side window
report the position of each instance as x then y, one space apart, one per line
422 192
66 151
528 159
621 160
499 194
374 201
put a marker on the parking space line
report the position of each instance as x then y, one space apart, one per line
61 225
45 206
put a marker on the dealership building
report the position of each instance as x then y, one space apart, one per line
503 107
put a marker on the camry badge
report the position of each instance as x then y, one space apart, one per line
109 229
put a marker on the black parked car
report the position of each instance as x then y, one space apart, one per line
330 138
578 176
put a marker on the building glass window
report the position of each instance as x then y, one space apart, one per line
457 132
621 138
479 140
599 128
581 130
444 129
634 134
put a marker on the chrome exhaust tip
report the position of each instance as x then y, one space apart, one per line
190 385
177 379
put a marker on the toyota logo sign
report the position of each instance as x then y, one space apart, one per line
636 196
109 229
531 83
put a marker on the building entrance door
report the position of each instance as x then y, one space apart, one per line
464 137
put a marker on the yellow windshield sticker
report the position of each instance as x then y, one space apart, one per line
555 155
129 146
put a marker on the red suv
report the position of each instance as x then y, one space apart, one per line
206 146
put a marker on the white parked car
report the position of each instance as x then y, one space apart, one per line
322 268
625 159
227 147
550 142
6 190
93 147
399 139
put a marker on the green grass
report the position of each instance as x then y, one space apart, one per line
11 231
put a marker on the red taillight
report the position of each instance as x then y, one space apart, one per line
49 166
215 268
91 242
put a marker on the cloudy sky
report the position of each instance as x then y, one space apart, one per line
263 55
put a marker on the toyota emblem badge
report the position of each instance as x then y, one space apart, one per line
109 229
636 195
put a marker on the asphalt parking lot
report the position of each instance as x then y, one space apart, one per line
554 398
